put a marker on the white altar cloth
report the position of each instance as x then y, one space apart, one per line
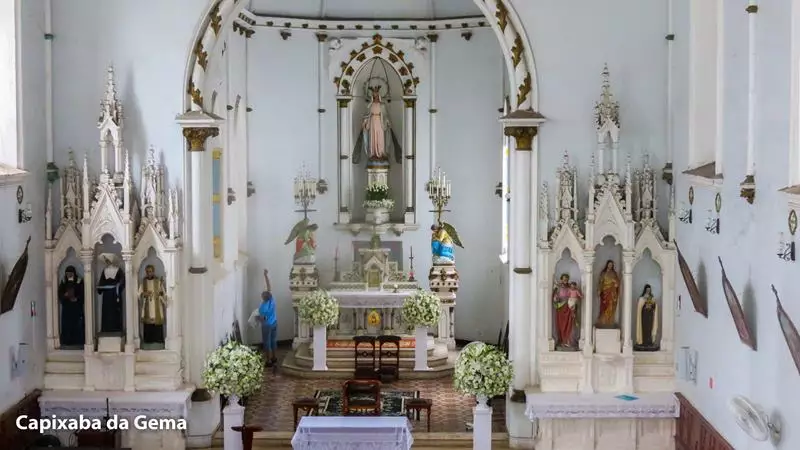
353 433
370 299
601 406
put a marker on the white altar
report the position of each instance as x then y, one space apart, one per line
353 433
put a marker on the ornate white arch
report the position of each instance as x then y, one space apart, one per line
368 49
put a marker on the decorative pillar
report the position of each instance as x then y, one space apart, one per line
321 39
88 300
345 180
545 307
719 122
433 38
130 302
52 314
409 144
667 172
748 186
201 204
667 305
588 304
173 339
627 298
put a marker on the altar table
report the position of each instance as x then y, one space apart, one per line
353 433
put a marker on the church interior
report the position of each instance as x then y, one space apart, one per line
605 193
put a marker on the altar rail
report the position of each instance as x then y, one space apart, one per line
695 432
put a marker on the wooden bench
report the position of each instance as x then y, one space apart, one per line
307 405
415 405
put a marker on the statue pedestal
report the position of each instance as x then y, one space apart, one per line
607 340
443 278
303 277
109 344
377 216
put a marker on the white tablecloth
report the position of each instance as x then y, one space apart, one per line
601 406
370 299
352 433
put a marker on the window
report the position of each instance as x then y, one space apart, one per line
9 146
706 56
216 199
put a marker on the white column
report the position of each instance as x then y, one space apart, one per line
173 326
666 310
627 298
670 107
421 349
520 255
433 38
52 315
409 163
588 305
719 139
320 348
131 318
321 38
200 197
88 300
545 306
345 180
752 9
482 425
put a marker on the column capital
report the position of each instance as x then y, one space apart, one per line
523 136
433 37
343 102
197 136
410 102
321 37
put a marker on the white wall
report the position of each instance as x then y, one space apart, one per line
749 233
17 326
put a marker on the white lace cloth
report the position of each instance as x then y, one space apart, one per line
370 299
601 406
352 433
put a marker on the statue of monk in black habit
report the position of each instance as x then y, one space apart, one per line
71 297
111 288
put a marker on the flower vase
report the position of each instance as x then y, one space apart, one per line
233 416
320 348
421 348
482 424
377 216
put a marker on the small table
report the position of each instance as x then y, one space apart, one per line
306 405
418 404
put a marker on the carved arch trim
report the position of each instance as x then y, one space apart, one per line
376 47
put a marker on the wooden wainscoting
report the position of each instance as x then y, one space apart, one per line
12 437
694 432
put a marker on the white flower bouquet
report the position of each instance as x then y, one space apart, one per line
318 308
387 204
422 308
482 369
377 197
233 369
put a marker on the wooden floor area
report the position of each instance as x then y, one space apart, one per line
422 441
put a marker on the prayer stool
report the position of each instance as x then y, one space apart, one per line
307 405
247 435
415 405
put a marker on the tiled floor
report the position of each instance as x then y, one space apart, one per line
272 408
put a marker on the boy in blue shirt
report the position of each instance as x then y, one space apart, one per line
269 323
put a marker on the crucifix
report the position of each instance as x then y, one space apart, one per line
411 268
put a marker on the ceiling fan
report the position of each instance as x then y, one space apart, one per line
754 421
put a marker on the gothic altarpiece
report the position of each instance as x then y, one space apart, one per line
598 335
116 253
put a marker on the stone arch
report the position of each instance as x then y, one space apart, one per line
501 15
381 49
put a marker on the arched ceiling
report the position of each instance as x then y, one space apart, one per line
367 9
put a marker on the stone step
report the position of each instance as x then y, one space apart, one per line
60 381
303 357
65 356
65 367
158 356
156 368
170 382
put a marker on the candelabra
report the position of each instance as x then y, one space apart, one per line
712 224
685 214
411 269
305 191
786 249
439 191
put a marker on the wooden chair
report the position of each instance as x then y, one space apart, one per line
389 357
360 395
364 358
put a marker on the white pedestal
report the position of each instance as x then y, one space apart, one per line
320 348
233 416
203 421
109 344
481 425
607 340
421 349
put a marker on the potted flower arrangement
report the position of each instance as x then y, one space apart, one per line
377 203
320 310
421 310
482 370
233 370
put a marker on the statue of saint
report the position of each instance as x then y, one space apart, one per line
377 139
609 297
305 244
646 321
70 296
566 297
111 288
153 303
443 239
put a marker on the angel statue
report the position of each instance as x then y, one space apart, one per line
443 238
376 139
305 245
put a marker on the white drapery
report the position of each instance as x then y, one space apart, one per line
353 433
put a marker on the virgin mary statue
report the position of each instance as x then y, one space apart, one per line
376 139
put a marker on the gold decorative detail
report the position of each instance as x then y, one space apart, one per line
377 49
433 37
523 270
523 136
201 54
215 198
752 9
197 96
343 102
467 35
410 102
196 137
349 71
524 89
249 33
216 153
321 37
216 20
217 247
374 318
691 195
718 202
516 51
392 58
502 16
748 189
792 222
377 38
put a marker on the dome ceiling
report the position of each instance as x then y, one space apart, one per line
367 9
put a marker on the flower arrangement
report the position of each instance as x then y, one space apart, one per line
377 196
422 308
318 308
482 370
233 369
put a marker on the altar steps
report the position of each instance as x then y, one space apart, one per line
158 370
64 369
422 441
340 363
